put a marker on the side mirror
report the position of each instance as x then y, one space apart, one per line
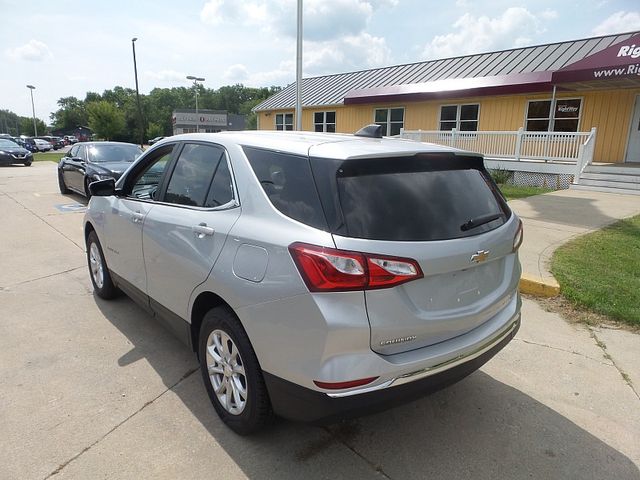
103 188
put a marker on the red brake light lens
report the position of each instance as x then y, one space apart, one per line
330 270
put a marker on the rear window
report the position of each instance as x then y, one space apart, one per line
113 153
420 198
288 182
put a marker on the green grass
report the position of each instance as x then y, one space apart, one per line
513 192
47 156
601 271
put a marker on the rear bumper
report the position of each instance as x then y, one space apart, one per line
298 403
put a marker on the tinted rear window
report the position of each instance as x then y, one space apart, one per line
288 182
418 198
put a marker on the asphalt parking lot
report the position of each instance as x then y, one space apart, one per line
95 389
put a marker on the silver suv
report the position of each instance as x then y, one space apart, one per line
316 276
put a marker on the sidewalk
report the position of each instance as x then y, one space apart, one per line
552 219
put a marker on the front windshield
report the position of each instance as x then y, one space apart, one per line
4 143
113 153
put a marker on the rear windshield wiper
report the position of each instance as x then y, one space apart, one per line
476 222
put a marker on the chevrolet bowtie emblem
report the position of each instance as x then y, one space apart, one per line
480 256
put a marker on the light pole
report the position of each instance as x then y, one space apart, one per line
298 108
135 71
33 109
195 84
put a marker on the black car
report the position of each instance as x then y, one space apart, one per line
91 161
11 152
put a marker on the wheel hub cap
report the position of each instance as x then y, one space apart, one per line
226 372
95 265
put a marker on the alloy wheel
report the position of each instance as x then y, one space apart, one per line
95 263
226 372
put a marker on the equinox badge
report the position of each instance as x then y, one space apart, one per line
480 256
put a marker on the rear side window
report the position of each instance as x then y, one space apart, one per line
192 175
419 198
288 182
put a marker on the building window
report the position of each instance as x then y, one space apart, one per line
284 121
463 118
391 119
324 121
566 117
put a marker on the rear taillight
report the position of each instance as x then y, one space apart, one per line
517 240
330 270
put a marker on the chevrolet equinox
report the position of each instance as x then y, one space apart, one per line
316 276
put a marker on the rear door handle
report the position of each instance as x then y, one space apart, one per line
201 230
137 217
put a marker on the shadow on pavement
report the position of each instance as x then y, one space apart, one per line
479 428
563 210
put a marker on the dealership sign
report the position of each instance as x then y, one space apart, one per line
203 119
621 60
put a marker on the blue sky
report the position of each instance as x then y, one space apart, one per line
70 47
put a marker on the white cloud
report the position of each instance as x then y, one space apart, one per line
168 76
34 51
237 73
282 75
335 35
248 13
350 53
323 19
619 22
476 34
463 4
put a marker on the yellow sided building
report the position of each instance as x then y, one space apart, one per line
567 105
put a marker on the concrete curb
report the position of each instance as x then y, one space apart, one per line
539 287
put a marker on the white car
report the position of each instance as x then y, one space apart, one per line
42 145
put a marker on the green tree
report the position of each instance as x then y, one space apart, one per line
155 130
26 126
9 123
105 119
72 112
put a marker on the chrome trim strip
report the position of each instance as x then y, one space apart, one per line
438 368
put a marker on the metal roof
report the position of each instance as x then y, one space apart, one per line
331 89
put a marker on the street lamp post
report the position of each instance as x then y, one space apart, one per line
33 110
135 71
195 84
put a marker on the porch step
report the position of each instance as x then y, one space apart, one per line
604 189
620 169
610 178
607 184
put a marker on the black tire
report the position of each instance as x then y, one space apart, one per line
257 410
63 186
98 271
28 163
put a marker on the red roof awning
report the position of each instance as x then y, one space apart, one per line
621 60
454 87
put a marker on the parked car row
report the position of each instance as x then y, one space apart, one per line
42 143
316 276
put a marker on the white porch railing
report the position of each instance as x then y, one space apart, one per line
570 147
